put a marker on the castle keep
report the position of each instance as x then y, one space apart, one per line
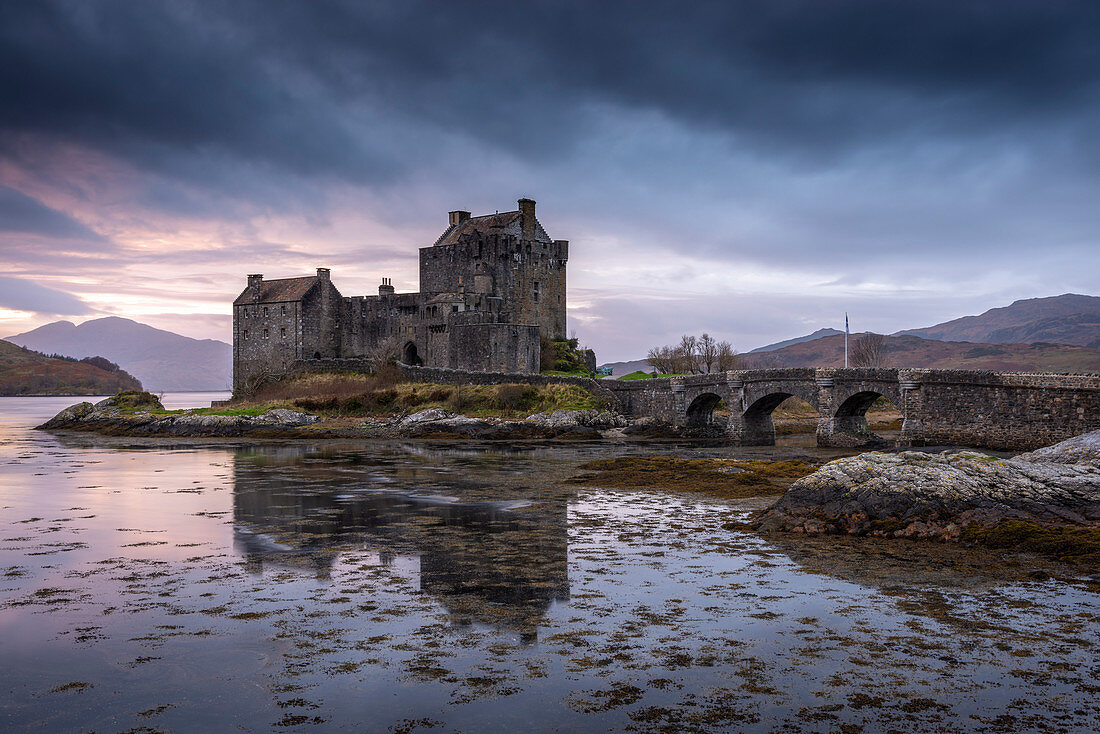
490 288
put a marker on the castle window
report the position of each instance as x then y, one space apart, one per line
454 309
265 333
536 291
245 335
265 310
283 308
282 333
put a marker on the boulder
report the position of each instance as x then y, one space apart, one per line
912 494
1083 449
426 416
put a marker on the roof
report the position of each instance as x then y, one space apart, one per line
276 291
501 223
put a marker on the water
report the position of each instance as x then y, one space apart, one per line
216 585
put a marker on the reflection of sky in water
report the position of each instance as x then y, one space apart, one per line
209 585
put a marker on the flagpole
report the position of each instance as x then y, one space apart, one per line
845 339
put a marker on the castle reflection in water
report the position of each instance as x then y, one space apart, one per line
489 554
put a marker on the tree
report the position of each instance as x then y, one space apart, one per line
661 359
868 350
707 354
727 359
385 351
693 355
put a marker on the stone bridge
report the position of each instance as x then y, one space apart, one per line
998 410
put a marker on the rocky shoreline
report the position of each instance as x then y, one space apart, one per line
107 417
951 496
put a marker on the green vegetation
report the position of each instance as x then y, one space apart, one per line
1073 544
724 478
136 400
639 375
564 357
474 400
356 394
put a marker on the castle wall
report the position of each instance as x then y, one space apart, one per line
265 339
487 295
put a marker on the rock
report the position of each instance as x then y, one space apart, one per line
912 494
425 416
285 417
71 414
1083 449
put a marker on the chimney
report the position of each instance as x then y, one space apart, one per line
254 281
527 218
322 273
386 288
455 218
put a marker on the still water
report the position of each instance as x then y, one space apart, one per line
156 585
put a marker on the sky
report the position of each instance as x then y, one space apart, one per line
753 170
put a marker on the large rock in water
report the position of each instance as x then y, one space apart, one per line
912 494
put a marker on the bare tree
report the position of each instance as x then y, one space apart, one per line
728 358
382 353
661 359
707 352
685 361
869 350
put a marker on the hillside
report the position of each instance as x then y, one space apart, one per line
162 360
23 372
1065 319
913 351
797 340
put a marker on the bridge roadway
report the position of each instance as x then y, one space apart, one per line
997 410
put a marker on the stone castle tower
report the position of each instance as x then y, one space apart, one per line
491 287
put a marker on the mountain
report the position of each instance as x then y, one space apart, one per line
618 369
797 340
162 360
1067 319
23 372
913 351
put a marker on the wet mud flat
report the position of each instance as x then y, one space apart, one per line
147 586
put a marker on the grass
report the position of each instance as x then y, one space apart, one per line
725 478
354 394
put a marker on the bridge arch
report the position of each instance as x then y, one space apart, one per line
700 412
756 426
848 426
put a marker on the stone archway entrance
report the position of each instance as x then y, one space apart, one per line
409 355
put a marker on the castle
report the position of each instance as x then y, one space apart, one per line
490 288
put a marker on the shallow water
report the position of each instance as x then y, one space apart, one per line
210 585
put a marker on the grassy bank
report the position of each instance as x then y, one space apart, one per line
352 394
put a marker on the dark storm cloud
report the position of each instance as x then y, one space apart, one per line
22 214
329 88
26 295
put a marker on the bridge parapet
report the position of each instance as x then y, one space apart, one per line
999 410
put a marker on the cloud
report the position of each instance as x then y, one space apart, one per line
21 214
25 295
945 148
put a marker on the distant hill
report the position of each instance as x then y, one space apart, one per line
162 360
625 368
913 351
1065 319
24 372
797 340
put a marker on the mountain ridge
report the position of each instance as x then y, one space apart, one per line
162 360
